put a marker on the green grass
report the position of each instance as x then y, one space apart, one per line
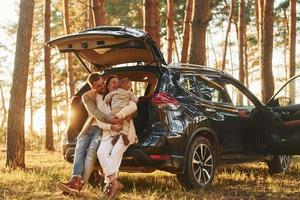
245 181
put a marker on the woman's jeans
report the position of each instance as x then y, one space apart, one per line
86 153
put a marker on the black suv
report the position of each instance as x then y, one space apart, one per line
190 118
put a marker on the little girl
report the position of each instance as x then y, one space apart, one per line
119 99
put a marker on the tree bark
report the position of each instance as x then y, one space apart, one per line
170 29
98 12
267 53
292 39
241 27
4 111
292 47
257 21
186 31
260 35
201 18
48 80
157 22
246 58
31 96
227 33
70 69
17 103
151 20
90 17
285 42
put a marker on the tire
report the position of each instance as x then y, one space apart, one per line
279 164
199 166
96 179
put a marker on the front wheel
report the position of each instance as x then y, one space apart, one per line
199 166
279 164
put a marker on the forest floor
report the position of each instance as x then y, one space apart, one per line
244 181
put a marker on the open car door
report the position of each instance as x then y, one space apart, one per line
285 107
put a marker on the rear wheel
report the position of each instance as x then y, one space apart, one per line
200 165
279 164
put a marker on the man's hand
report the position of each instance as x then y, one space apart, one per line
113 120
116 127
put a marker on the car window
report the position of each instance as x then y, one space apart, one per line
238 98
188 83
139 88
290 94
211 90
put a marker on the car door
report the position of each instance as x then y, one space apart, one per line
284 138
224 117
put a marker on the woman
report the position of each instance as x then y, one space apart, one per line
109 155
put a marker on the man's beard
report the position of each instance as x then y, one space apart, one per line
102 91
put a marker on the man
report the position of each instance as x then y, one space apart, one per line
89 138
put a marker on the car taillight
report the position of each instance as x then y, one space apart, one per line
164 100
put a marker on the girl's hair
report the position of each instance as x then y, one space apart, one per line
123 83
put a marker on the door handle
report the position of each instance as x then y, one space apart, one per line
210 110
285 112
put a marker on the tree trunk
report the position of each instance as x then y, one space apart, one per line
292 39
48 80
186 31
4 111
170 29
241 27
98 12
17 103
292 46
151 19
70 70
227 33
157 22
285 42
90 17
267 53
201 18
246 58
257 21
31 96
260 35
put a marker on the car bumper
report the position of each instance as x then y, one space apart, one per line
135 159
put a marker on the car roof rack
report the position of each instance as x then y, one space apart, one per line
192 66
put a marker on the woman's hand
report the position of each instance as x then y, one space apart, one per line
116 127
113 120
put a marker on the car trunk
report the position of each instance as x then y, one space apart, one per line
145 82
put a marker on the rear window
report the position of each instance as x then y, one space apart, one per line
143 83
139 88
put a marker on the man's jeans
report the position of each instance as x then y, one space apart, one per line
86 153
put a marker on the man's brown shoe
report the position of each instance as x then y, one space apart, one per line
72 187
